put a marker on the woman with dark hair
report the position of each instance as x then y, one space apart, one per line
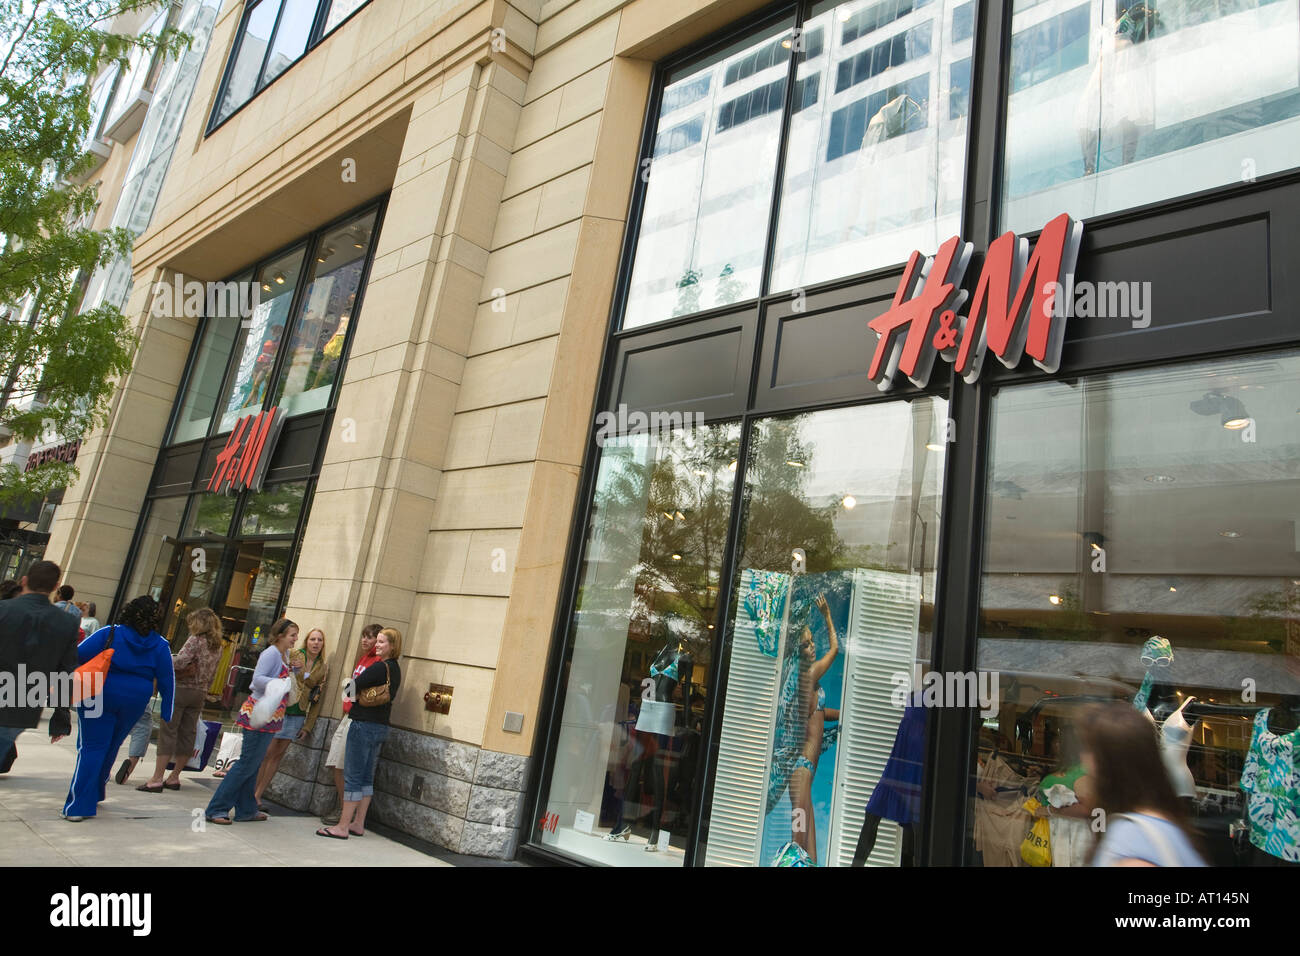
1145 822
142 659
237 787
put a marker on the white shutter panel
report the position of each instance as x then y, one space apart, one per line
883 624
745 747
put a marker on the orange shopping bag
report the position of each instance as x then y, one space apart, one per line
88 679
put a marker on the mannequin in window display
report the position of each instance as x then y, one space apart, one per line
897 796
1118 100
1271 782
671 672
1165 711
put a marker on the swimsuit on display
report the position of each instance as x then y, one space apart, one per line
670 671
1175 737
1271 781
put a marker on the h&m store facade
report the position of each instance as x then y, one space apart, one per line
1126 505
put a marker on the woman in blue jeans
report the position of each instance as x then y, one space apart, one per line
237 790
366 736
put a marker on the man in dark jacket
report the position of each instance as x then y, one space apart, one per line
35 638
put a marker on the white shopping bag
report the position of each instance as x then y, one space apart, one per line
231 744
265 708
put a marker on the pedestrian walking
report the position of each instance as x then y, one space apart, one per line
374 693
137 745
141 661
36 638
64 603
195 667
308 667
1144 819
236 791
89 622
337 755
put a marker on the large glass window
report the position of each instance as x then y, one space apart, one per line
274 35
708 193
324 316
139 63
1140 547
260 342
639 648
820 758
204 386
874 165
1119 103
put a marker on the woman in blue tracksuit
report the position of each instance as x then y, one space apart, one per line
141 658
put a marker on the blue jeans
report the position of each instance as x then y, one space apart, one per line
237 786
140 734
7 737
365 740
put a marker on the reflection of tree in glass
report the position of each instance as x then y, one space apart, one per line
730 288
214 514
681 532
688 293
273 510
778 516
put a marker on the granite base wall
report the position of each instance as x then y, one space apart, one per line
456 795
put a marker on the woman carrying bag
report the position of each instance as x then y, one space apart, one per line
195 666
309 669
269 697
373 692
141 659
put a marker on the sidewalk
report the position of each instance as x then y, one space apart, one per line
166 829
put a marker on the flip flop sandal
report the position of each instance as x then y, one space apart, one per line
145 788
171 786
220 821
325 833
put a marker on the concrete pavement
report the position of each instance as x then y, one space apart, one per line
166 829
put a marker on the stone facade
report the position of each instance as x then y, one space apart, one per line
458 796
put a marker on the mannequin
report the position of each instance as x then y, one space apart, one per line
897 796
672 668
1271 781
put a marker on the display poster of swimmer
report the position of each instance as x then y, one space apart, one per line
801 783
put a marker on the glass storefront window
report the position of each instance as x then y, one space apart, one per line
154 557
876 149
709 180
275 34
1119 103
1140 549
260 342
327 310
209 369
637 660
274 510
820 757
210 515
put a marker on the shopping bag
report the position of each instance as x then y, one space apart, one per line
88 679
272 700
1036 848
231 744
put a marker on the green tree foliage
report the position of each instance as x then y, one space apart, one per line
58 366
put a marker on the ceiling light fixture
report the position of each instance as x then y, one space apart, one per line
1159 479
850 502
677 557
1054 598
933 446
794 464
1229 534
279 278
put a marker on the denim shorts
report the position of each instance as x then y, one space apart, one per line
292 724
140 735
365 740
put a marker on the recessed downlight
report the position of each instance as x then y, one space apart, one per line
1229 534
1159 479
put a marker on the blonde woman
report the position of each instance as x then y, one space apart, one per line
366 735
195 666
309 669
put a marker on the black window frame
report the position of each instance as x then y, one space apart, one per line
1156 228
315 37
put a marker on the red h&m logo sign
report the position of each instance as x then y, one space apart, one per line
243 462
1014 310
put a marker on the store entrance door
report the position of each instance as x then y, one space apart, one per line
243 582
